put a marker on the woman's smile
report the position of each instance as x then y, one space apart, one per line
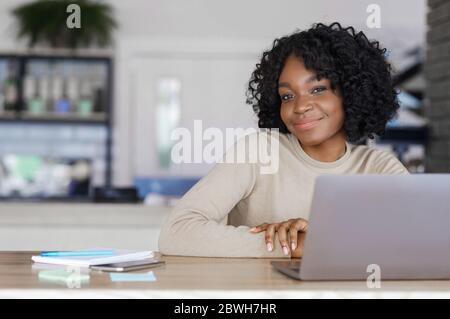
307 124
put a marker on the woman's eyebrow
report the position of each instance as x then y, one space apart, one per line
283 84
310 79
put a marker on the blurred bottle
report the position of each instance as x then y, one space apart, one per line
99 100
72 83
43 75
2 80
30 91
59 96
99 85
85 103
10 88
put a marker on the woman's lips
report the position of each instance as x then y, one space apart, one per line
307 124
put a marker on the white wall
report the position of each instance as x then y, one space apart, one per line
256 18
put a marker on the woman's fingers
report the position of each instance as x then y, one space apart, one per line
298 252
288 234
270 233
301 224
270 230
293 236
282 236
259 228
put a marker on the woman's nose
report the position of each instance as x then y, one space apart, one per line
302 105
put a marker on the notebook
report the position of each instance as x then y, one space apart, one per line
86 261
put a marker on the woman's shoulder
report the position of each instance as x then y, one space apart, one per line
370 151
379 160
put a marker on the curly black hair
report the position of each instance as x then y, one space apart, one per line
353 64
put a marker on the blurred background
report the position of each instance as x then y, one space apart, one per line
86 113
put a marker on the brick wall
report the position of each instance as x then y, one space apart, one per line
437 74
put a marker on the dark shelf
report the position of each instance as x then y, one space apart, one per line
42 199
407 134
99 118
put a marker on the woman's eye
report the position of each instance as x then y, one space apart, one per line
286 97
318 89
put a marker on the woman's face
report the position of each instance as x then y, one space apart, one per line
310 109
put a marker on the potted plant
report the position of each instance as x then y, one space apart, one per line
45 22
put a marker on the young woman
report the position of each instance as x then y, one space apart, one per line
325 89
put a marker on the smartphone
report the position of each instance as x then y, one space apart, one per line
129 265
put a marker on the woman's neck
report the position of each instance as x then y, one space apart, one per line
329 151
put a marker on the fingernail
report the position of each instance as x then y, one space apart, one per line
293 246
285 250
253 229
269 247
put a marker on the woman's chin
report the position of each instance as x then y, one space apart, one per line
310 141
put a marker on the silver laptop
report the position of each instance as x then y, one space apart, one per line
397 225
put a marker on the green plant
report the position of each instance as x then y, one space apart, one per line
44 21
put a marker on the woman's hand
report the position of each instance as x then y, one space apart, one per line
291 234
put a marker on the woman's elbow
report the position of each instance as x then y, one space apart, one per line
164 241
169 239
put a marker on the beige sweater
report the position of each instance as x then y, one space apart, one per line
213 219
